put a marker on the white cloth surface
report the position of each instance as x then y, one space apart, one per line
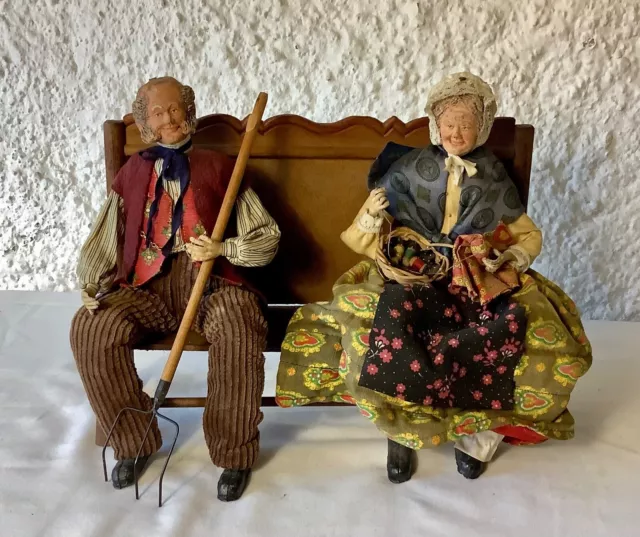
321 471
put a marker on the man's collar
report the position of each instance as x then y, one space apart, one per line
176 146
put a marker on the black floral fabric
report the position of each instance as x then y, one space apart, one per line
434 346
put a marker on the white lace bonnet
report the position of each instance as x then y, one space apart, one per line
457 84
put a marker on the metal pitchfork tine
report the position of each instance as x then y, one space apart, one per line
194 300
157 402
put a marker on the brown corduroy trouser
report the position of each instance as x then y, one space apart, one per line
231 319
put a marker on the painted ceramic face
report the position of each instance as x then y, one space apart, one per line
458 129
166 115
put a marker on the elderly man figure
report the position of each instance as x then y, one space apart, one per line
137 269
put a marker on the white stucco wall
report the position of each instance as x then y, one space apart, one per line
569 67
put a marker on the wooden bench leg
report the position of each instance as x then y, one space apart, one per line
101 437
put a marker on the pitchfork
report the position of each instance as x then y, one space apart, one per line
194 300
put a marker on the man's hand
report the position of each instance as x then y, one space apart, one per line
203 248
89 300
376 202
492 265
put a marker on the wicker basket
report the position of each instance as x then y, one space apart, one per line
405 277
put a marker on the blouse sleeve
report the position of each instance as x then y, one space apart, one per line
528 238
362 235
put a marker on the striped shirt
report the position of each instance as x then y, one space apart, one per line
255 245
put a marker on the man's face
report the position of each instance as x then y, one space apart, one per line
166 115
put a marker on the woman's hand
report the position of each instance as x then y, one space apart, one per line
376 202
203 248
492 265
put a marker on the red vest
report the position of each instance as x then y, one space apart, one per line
150 258
210 173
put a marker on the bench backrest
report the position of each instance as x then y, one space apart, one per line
311 177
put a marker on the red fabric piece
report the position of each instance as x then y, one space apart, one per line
468 271
519 435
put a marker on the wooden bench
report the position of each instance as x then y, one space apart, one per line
311 177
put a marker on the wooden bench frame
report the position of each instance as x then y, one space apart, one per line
290 158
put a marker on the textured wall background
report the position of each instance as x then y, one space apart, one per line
569 67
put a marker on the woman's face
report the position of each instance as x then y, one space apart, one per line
458 129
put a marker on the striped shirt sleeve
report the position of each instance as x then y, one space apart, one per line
97 265
256 244
258 234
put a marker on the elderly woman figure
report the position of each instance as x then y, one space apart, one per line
137 269
488 352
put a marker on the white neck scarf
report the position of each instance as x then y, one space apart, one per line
456 167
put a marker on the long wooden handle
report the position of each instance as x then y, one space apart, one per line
217 235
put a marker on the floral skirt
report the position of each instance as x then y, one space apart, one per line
455 368
435 346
